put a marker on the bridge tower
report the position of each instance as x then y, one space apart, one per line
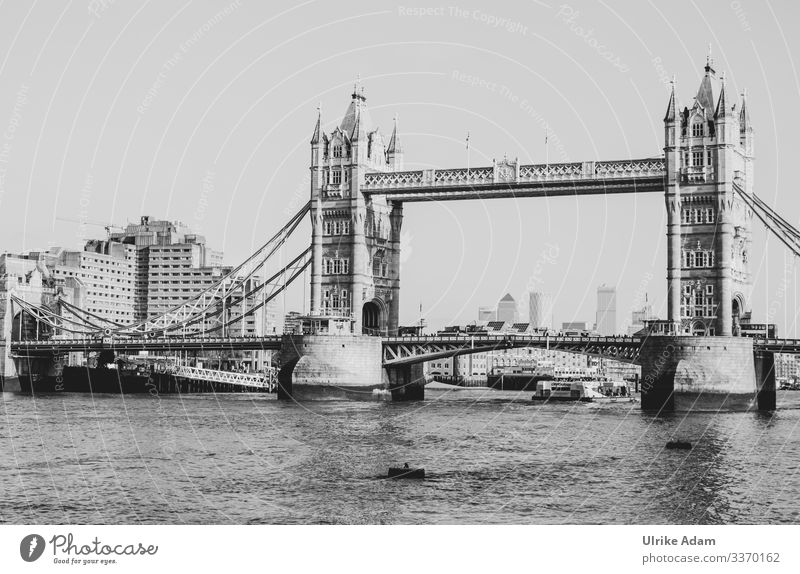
708 153
356 238
702 363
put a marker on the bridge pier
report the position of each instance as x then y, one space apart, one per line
319 367
685 373
406 382
765 379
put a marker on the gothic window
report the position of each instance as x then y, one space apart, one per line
336 227
337 151
697 158
336 176
698 304
710 214
708 157
335 266
697 129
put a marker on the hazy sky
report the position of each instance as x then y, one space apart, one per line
203 111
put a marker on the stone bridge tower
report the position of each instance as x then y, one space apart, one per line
708 153
356 238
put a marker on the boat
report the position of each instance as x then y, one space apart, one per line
406 472
583 391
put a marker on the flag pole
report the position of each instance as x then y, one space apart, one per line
546 150
467 155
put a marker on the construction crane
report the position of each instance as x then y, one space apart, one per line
107 226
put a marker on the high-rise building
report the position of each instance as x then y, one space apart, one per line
507 309
606 323
173 264
487 314
540 310
106 270
639 317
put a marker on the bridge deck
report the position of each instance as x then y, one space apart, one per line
30 348
408 350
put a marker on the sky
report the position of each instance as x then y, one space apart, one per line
202 112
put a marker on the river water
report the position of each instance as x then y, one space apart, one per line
490 457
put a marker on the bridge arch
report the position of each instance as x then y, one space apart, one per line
737 309
373 317
699 329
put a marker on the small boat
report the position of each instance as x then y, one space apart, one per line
406 472
678 445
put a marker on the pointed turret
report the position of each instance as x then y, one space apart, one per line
394 151
670 115
744 115
317 128
721 103
394 141
359 130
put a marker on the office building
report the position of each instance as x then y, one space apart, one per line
507 309
606 323
487 314
540 310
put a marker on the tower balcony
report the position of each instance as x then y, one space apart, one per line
697 174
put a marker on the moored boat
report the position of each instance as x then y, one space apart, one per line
584 391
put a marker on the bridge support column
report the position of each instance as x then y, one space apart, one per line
698 374
406 382
319 367
764 362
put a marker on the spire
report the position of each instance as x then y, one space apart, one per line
315 137
744 116
356 122
705 95
709 61
721 104
359 131
670 116
394 142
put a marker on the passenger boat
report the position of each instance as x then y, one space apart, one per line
584 391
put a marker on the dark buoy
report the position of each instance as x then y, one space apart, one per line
679 445
406 472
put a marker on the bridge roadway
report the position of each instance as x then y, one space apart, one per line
405 350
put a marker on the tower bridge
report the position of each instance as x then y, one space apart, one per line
349 346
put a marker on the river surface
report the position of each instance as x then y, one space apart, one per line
490 457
